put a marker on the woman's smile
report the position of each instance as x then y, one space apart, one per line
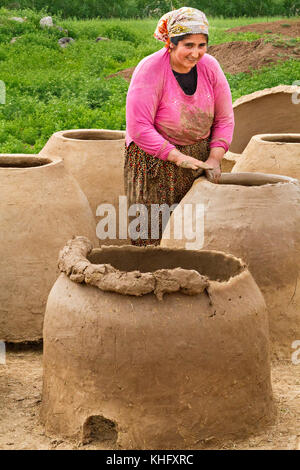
187 53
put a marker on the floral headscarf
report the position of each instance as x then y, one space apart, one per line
179 22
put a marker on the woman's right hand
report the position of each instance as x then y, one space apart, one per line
184 161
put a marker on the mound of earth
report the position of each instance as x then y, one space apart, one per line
290 28
241 56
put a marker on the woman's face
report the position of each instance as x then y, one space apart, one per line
188 52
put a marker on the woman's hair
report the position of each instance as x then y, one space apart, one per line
175 40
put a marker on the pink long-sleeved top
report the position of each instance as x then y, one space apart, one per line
159 114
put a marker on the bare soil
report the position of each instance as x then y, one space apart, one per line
290 28
21 387
239 56
242 56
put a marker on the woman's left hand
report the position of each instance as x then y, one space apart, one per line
214 175
214 160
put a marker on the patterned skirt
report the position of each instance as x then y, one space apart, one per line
152 182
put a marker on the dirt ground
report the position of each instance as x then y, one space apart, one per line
242 56
238 56
286 27
21 386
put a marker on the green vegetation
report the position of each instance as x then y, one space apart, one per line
49 88
144 8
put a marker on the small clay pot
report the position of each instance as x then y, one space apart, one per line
255 217
151 348
41 207
268 111
271 153
95 157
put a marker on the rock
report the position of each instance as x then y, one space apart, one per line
99 38
18 19
46 21
63 42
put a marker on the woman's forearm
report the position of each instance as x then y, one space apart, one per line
185 161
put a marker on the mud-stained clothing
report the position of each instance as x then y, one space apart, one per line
149 180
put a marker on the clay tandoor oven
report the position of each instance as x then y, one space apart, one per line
154 348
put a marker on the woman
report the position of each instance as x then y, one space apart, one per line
179 115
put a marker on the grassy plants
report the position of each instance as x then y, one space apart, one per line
49 88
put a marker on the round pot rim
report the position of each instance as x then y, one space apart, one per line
7 157
74 263
271 138
241 179
266 91
62 135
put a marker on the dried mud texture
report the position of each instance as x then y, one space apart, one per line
41 207
289 28
21 429
271 153
157 374
261 225
73 262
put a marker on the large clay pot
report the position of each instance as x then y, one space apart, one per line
95 157
41 207
258 220
154 348
271 153
268 111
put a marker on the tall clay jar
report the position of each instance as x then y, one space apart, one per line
151 348
269 111
95 157
255 217
271 153
41 207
